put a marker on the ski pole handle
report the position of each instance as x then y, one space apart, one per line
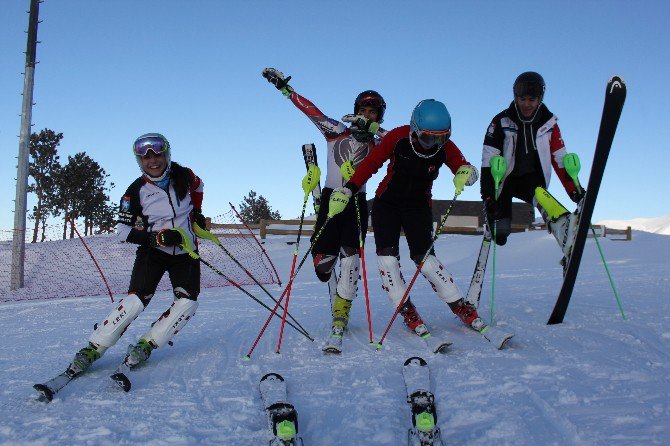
498 169
572 167
311 179
348 170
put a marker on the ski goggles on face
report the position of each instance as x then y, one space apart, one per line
433 138
370 101
155 144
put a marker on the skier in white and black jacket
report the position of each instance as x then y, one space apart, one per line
167 199
527 135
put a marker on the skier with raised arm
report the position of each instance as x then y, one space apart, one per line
344 145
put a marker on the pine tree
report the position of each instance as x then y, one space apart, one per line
44 165
255 208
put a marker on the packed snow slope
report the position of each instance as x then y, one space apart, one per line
595 379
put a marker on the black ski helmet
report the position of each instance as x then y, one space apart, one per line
373 99
529 83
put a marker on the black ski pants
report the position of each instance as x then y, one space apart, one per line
390 218
151 264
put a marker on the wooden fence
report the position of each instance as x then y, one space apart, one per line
265 228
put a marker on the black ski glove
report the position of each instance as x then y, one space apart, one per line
199 219
165 237
493 209
276 78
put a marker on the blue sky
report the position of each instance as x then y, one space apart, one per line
110 71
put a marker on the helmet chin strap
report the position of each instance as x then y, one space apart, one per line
521 118
418 153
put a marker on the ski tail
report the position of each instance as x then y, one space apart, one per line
424 430
282 416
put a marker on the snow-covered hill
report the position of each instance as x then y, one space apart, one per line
656 225
595 379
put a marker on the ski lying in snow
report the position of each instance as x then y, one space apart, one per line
50 388
424 430
494 335
435 344
121 377
615 95
475 289
309 155
282 416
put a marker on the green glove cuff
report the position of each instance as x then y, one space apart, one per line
374 128
286 90
338 201
187 243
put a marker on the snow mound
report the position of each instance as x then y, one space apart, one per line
656 225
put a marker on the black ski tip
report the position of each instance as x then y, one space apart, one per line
46 392
272 374
333 350
417 359
122 380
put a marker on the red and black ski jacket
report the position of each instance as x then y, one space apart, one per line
409 177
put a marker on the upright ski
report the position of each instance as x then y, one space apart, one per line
282 416
477 281
309 155
615 95
424 430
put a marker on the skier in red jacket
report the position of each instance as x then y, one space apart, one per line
403 202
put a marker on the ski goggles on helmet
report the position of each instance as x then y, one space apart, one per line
433 138
153 143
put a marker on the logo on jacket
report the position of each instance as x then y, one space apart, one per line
125 203
492 128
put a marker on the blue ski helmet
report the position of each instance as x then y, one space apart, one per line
155 142
431 124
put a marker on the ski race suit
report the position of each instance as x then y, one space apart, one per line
161 209
531 149
340 237
403 201
157 209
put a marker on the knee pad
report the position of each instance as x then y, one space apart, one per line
181 293
347 284
112 328
323 266
170 322
392 280
440 280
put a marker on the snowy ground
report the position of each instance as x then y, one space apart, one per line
596 379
